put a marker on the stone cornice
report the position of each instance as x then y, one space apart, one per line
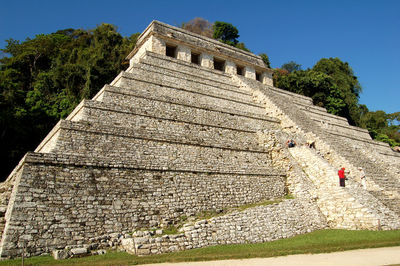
198 42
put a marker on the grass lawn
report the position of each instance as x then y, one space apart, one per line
315 242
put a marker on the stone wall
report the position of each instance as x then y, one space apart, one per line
255 225
65 200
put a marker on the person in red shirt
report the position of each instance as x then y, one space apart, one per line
342 177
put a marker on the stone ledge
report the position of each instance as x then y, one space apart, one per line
288 93
105 162
158 134
349 127
393 153
147 69
171 100
188 89
195 69
117 115
369 141
197 41
184 89
322 112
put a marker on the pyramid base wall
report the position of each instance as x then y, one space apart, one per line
56 204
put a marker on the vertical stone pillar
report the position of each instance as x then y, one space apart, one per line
153 44
249 72
266 78
206 60
230 67
183 53
157 45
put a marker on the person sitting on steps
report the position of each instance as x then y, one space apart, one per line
291 143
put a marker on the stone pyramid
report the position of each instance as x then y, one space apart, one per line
193 126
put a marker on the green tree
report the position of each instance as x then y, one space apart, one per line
347 83
383 127
44 78
226 33
265 59
319 86
291 66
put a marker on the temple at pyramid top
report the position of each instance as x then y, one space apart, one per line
184 45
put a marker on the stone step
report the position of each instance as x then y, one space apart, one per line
190 77
337 203
166 62
127 116
151 129
164 103
343 145
144 161
187 83
95 142
182 92
391 202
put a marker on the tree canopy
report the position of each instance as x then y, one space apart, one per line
265 59
226 33
44 78
291 66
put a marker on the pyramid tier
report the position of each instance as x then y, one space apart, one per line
195 93
70 200
147 148
161 63
180 109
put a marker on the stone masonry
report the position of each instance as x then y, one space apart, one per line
193 126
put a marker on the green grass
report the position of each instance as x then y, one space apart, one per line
316 242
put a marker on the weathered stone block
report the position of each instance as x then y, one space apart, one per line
60 254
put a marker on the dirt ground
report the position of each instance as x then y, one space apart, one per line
365 257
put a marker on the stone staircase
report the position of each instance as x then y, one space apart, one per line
383 180
349 207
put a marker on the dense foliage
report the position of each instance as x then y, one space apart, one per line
291 66
332 84
44 78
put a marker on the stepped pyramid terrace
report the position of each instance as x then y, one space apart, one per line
194 126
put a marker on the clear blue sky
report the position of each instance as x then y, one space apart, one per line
364 33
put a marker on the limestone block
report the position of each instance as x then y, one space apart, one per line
206 60
230 67
60 254
249 72
141 252
266 78
128 245
183 53
78 251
